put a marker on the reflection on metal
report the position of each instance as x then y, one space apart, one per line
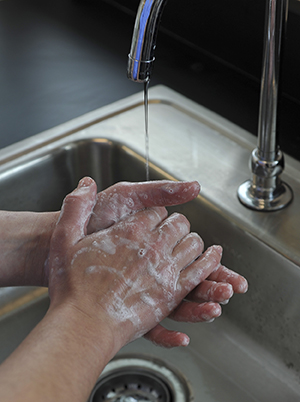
141 56
266 191
23 301
196 145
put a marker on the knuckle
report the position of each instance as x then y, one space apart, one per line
71 198
120 185
180 222
159 213
197 241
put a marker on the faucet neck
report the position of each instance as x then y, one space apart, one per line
275 29
143 44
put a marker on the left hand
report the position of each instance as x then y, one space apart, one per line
129 276
203 303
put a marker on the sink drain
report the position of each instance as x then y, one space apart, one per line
131 386
134 379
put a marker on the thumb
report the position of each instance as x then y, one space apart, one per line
76 212
124 198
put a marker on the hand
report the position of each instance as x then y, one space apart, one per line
22 261
99 302
25 236
204 302
129 276
123 198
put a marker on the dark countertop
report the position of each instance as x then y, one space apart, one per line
63 58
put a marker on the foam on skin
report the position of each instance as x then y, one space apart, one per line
164 276
150 252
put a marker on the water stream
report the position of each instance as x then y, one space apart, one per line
146 87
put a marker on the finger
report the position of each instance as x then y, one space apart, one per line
195 312
161 336
223 274
211 291
75 213
123 198
188 249
149 217
200 269
165 193
175 226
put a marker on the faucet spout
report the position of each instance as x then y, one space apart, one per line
266 191
141 56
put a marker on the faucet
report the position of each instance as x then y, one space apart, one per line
265 191
141 57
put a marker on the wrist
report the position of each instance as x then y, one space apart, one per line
93 338
63 356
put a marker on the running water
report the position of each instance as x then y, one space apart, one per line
146 86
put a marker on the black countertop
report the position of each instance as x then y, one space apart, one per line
63 58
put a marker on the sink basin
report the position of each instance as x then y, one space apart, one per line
250 353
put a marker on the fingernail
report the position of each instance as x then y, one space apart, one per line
218 249
243 286
85 182
216 310
196 187
185 341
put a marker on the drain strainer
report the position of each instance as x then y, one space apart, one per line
135 379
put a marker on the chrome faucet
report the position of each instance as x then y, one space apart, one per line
265 191
143 44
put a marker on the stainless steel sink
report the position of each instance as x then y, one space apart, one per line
250 353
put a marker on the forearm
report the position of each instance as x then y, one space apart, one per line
62 357
25 236
24 247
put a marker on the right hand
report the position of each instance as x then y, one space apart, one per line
203 303
129 276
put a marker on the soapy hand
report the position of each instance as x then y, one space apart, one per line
203 303
132 274
123 198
